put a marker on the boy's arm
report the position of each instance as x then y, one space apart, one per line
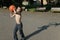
12 14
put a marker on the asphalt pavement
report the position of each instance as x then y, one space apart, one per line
36 25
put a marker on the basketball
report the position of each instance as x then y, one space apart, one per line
12 8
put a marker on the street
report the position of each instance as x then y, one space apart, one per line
36 25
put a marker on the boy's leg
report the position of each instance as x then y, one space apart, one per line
15 32
21 30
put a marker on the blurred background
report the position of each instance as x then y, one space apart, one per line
31 4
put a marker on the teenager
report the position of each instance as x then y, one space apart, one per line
19 26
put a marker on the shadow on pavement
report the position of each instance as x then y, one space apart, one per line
44 27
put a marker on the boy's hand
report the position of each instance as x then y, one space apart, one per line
12 14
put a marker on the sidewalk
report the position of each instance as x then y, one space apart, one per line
55 9
42 9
